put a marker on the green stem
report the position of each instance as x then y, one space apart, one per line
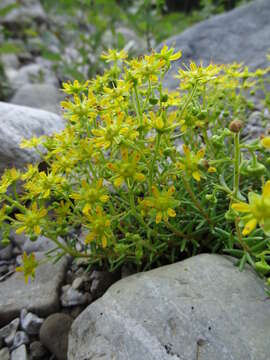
196 201
236 192
154 161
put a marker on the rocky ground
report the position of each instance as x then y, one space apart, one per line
201 309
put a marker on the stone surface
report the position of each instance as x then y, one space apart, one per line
8 332
73 297
6 252
19 354
241 35
31 74
18 122
40 96
201 308
39 296
38 351
20 338
24 12
54 334
4 354
40 244
31 323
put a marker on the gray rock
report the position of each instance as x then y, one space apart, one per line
20 338
24 12
19 354
40 96
31 74
101 281
8 332
253 128
41 244
6 252
133 43
38 351
72 297
39 296
201 308
77 283
31 323
4 354
3 269
9 61
18 122
241 35
54 334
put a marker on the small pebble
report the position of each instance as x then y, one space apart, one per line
77 284
19 354
31 323
71 297
4 354
8 332
38 351
20 338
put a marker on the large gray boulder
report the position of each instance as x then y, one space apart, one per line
39 296
31 74
240 35
201 308
19 122
40 96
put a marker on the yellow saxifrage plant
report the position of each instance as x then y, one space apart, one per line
150 176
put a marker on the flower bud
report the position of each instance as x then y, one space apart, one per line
236 125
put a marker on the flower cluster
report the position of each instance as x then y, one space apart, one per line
149 175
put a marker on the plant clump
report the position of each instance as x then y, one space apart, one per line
151 177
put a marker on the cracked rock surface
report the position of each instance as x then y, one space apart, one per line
201 308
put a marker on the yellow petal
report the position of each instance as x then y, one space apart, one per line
249 227
118 181
86 209
200 153
196 175
241 207
158 217
266 142
104 241
171 213
212 169
139 177
266 189
89 238
20 230
37 229
171 190
155 191
186 150
104 198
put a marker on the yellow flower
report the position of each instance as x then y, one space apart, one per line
189 164
266 142
127 169
30 222
28 267
161 204
9 176
114 132
75 88
33 142
257 211
114 55
42 184
99 225
89 194
167 55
